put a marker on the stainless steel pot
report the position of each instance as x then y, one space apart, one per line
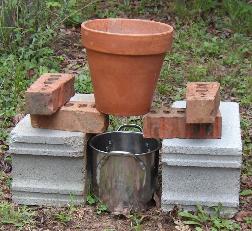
124 168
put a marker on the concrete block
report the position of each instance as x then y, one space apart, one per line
89 98
204 171
49 166
230 143
25 139
48 93
203 100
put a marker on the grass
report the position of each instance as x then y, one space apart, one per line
201 220
201 56
18 217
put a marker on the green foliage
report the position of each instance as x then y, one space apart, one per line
19 217
63 217
238 11
91 199
201 219
101 208
94 201
25 35
136 221
246 192
239 15
66 215
83 83
248 220
194 8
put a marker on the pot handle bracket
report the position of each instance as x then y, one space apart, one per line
130 126
121 153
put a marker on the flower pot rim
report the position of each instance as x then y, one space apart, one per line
169 27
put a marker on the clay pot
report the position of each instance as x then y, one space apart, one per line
125 57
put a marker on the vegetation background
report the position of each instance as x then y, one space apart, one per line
212 43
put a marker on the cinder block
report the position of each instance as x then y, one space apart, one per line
168 123
49 166
48 93
73 116
89 98
203 100
204 171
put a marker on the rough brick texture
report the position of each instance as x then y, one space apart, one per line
73 116
48 93
202 102
171 123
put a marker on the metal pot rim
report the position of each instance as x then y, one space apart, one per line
132 132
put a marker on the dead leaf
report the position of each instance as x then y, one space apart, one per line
242 214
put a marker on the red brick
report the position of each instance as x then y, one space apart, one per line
73 116
171 123
48 93
202 102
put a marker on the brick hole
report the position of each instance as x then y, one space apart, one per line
93 105
180 111
43 88
153 111
166 111
166 105
201 85
53 78
48 82
201 90
82 105
69 104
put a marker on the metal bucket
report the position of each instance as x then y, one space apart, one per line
124 169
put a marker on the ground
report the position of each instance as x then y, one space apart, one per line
202 51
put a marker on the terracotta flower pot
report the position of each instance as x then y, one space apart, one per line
125 57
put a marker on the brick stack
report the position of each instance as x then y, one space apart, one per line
49 145
201 150
201 118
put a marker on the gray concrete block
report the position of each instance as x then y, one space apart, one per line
47 174
229 144
48 165
50 199
24 139
206 172
187 186
83 97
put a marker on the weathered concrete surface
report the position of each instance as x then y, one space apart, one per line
205 172
34 141
83 97
49 166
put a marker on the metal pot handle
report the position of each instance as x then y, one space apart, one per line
130 126
119 153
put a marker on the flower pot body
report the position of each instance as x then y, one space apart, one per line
125 57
